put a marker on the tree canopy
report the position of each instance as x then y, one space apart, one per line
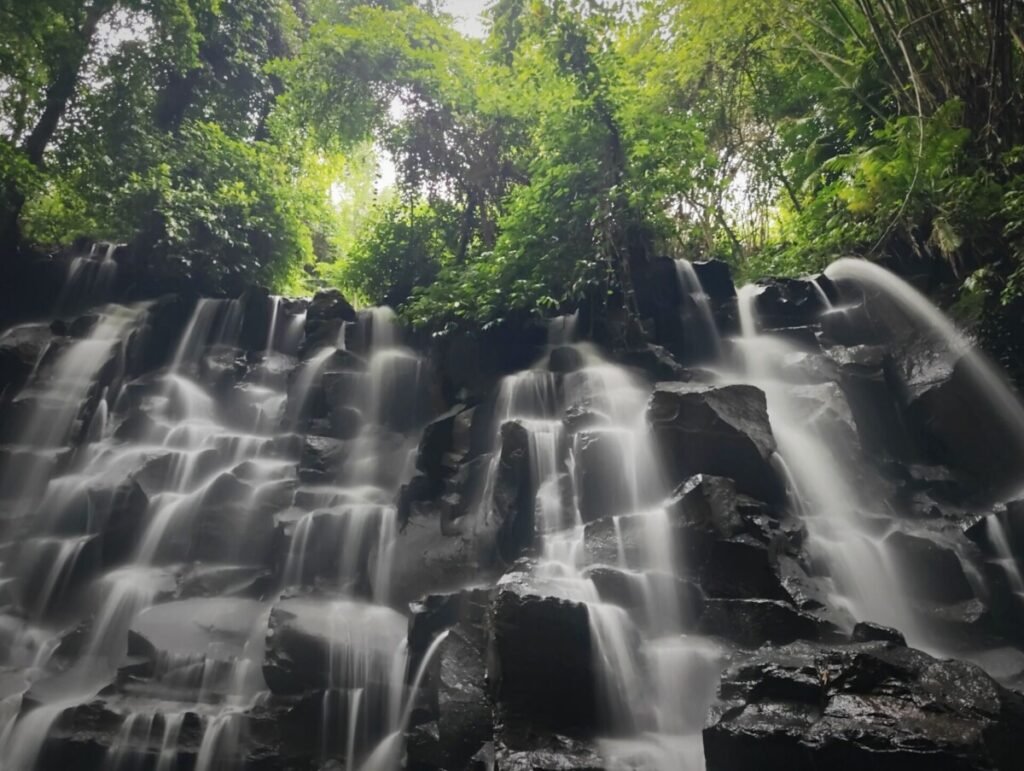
528 170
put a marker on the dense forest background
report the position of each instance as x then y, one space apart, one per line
372 146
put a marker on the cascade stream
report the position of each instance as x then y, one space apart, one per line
275 533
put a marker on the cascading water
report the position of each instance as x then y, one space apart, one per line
992 387
654 682
208 563
864 576
690 285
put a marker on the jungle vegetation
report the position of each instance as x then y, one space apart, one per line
529 168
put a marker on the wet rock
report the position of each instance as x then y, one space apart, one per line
657 363
81 737
514 493
931 571
231 522
342 422
222 368
20 348
257 310
323 458
83 325
603 474
541 671
634 590
801 367
428 560
953 422
712 503
582 416
113 508
802 338
434 613
753 622
445 442
719 430
324 318
329 304
866 631
565 359
137 427
464 720
740 567
172 636
304 633
788 302
419 490
547 753
873 705
716 279
999 531
225 580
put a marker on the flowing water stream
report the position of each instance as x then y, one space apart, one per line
172 526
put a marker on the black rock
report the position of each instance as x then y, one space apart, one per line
719 430
866 631
542 674
931 571
875 705
753 622
304 633
564 359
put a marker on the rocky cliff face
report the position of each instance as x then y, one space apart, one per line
277 534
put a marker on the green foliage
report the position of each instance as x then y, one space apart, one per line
400 247
222 206
533 167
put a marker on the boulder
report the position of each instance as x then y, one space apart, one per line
565 358
445 442
875 705
719 430
751 623
541 673
931 571
550 752
864 377
21 348
788 302
323 458
324 318
866 631
427 560
954 423
304 634
716 280
512 510
603 464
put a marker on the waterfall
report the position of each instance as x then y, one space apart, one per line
689 284
824 489
991 384
286 534
630 653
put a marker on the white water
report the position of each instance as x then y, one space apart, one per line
631 654
863 574
990 381
690 285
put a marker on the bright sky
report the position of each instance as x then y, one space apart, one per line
467 13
